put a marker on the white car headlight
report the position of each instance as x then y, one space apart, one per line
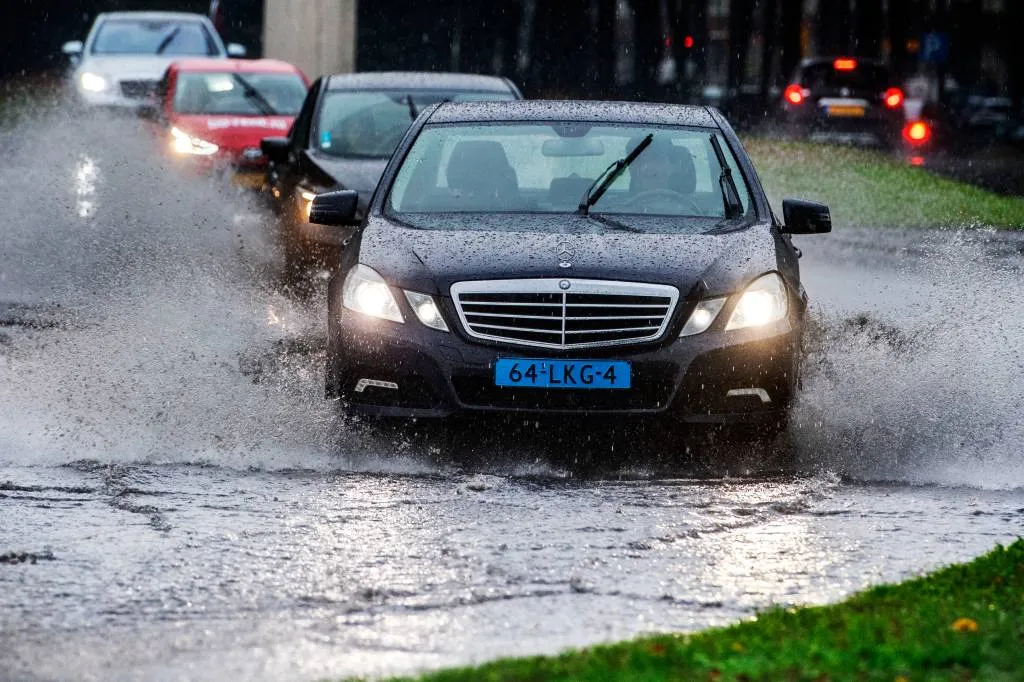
92 82
426 309
702 316
366 292
761 303
183 143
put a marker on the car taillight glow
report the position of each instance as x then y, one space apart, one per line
794 94
917 132
844 64
893 98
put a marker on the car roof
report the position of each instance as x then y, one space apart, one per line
204 64
154 16
417 80
575 110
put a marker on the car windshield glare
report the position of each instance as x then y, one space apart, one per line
229 93
370 124
139 37
547 167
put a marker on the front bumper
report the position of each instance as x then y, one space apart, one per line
382 368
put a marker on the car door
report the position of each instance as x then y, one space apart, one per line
285 175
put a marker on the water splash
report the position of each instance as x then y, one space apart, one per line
929 390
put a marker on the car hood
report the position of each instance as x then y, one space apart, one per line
361 175
234 132
129 66
431 260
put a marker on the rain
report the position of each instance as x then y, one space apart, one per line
179 499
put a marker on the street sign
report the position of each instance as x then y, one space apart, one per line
935 48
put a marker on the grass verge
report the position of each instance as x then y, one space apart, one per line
965 622
865 187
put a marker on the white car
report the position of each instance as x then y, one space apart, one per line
126 54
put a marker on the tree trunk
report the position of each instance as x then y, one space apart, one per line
899 33
740 23
834 28
647 46
767 51
868 29
790 41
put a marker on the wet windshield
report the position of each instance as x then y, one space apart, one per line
241 94
132 36
547 168
370 124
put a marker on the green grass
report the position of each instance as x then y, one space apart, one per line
965 622
869 188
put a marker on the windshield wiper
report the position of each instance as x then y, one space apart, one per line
413 112
604 219
610 175
168 39
733 205
256 96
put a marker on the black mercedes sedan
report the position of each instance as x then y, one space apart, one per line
568 257
342 138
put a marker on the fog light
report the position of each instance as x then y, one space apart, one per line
702 316
426 310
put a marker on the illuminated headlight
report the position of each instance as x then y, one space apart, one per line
366 292
702 316
426 309
92 82
761 303
306 202
183 143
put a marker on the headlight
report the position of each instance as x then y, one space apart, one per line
763 302
306 202
702 316
92 82
366 292
183 143
426 309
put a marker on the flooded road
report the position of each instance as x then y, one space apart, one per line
177 501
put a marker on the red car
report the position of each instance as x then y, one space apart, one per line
213 113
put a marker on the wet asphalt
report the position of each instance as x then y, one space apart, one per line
178 502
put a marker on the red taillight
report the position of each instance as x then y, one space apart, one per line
794 94
893 98
917 132
844 64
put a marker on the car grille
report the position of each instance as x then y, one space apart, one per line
137 89
564 313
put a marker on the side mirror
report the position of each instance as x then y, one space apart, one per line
72 48
335 208
148 111
237 51
275 148
805 217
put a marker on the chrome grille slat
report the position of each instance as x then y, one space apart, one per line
544 313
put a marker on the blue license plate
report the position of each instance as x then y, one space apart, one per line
578 374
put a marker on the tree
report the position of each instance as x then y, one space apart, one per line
790 38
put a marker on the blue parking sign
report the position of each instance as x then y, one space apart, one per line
935 48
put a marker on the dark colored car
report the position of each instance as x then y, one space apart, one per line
343 137
844 99
568 257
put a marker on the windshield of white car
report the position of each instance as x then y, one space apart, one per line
143 37
226 93
546 168
369 124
